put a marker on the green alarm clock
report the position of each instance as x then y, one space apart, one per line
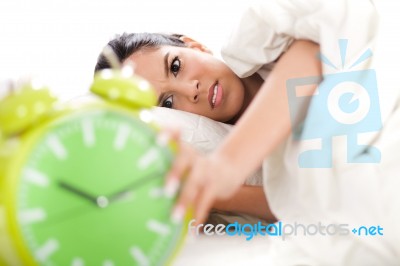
82 183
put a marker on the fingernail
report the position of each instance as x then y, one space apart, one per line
171 187
163 138
177 214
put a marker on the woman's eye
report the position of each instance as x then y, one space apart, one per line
168 102
175 66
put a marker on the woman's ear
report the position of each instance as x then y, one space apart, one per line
194 44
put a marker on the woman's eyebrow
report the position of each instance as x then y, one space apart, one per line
160 98
166 68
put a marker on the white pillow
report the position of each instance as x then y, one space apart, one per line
201 132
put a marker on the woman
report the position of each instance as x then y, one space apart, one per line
188 77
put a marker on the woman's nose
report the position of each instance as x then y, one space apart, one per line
191 91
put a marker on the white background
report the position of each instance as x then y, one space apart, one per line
58 41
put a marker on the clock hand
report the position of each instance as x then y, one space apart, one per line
137 183
100 201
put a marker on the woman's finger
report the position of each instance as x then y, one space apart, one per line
189 192
181 166
172 181
184 160
204 204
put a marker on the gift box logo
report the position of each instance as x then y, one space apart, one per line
346 103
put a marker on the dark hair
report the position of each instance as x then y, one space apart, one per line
128 43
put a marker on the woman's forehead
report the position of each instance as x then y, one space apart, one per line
154 60
150 57
150 64
146 58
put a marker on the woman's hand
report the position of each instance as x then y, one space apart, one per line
206 178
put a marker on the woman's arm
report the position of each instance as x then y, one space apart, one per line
264 125
248 200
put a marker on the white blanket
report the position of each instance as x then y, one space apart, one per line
361 194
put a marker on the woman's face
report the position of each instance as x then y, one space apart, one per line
192 80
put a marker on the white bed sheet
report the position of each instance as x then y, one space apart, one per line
223 250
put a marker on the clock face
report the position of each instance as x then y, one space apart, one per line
90 193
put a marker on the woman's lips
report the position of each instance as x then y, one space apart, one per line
215 95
